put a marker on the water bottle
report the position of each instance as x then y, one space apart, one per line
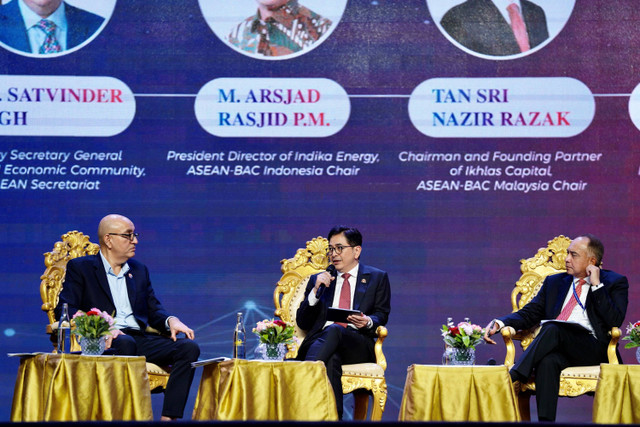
64 331
239 343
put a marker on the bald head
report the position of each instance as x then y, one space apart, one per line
118 239
113 223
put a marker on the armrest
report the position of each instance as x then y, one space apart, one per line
380 359
507 335
613 344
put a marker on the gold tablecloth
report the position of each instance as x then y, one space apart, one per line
617 399
71 387
257 390
458 393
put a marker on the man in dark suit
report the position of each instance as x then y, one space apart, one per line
113 282
483 27
584 304
351 285
45 26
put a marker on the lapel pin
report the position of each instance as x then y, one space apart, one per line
364 280
130 276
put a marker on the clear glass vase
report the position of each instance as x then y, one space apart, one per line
93 346
275 352
462 356
638 354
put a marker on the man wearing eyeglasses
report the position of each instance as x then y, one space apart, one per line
113 282
346 284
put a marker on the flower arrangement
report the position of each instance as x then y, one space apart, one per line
634 335
274 332
92 324
464 335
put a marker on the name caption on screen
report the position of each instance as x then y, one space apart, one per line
522 107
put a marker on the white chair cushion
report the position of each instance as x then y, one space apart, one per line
363 369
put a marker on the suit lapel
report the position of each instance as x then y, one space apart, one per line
101 277
131 287
562 294
362 283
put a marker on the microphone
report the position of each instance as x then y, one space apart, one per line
491 361
331 269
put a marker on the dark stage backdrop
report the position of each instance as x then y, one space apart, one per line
453 163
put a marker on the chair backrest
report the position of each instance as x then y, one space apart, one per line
545 262
74 244
290 289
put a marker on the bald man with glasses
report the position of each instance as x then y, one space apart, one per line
113 282
346 284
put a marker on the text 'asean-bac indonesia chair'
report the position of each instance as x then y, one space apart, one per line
362 379
574 381
74 244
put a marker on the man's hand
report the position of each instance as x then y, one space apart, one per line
112 336
176 326
489 330
323 279
358 320
594 274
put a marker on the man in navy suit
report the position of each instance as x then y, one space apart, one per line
484 26
113 282
45 26
347 284
588 302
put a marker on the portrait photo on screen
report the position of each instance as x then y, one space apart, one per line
273 29
51 28
500 29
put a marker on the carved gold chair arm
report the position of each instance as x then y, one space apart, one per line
508 333
380 359
611 349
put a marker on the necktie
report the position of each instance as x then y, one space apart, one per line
566 311
345 296
50 44
518 27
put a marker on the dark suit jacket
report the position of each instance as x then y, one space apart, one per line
372 297
81 25
479 26
605 307
86 286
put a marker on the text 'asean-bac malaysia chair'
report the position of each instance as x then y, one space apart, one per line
74 244
362 379
574 381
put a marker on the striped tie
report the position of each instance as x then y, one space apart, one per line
566 311
50 44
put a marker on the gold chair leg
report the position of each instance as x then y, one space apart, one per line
379 402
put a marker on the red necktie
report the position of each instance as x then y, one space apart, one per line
345 296
566 311
518 27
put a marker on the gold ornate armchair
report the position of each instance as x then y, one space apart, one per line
362 379
75 244
574 381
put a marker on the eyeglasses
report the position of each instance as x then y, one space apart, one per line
129 236
337 249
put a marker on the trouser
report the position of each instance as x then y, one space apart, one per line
336 346
557 346
163 351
